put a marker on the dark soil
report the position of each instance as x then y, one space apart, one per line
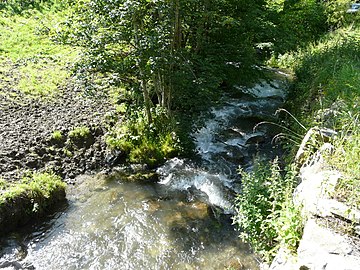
27 125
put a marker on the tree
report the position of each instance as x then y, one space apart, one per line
176 53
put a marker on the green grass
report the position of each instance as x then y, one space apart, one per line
30 62
36 184
326 93
79 132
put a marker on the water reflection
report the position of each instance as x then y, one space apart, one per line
119 225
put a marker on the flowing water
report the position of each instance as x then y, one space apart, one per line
181 222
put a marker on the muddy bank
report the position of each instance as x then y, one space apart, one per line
41 135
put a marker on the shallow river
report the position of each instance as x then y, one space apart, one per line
181 222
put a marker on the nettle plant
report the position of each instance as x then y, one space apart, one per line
265 213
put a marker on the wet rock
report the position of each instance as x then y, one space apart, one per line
255 138
234 154
197 210
235 265
11 265
153 206
114 157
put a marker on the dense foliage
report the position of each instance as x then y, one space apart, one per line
169 53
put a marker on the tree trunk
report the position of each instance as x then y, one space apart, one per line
143 82
177 27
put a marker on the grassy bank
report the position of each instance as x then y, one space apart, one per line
328 88
326 94
29 199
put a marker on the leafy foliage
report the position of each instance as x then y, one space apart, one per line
295 23
265 213
172 53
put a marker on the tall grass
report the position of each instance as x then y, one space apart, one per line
326 93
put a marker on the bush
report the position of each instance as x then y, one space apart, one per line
265 213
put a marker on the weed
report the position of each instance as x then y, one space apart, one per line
57 135
79 132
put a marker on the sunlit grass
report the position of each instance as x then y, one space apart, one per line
30 62
327 94
346 158
36 184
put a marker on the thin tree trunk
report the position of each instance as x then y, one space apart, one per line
143 83
177 27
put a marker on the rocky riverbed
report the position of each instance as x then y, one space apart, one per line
39 135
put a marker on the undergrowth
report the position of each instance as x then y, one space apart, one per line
146 143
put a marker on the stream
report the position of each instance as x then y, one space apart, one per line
181 222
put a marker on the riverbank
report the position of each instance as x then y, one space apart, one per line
52 127
324 99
